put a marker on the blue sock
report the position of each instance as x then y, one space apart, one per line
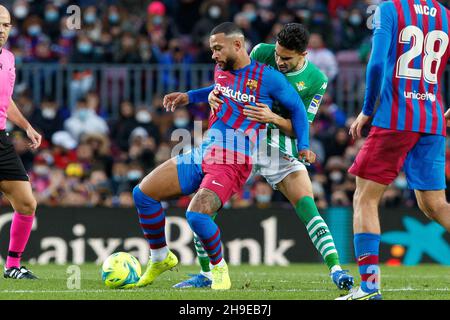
367 246
209 234
151 218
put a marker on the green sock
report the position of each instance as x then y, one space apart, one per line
318 230
202 255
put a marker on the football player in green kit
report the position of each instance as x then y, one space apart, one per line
286 173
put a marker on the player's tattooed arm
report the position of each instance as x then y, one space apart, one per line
205 201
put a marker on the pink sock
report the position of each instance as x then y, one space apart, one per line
19 234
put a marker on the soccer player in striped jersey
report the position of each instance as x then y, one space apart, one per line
222 164
410 50
286 172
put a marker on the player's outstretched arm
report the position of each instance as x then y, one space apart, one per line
179 99
16 117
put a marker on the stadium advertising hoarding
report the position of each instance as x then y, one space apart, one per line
272 236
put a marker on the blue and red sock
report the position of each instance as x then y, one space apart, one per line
367 246
209 234
152 219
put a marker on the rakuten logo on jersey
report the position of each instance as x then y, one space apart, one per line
238 96
420 96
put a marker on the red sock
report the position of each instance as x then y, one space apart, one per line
19 234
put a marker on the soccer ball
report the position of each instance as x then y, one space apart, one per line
121 270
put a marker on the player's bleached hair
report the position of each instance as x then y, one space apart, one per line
293 36
229 29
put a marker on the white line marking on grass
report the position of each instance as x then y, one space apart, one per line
208 291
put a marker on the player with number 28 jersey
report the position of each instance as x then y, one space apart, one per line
411 98
410 50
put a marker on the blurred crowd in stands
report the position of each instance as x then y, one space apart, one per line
89 158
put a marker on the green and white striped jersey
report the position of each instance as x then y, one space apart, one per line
310 83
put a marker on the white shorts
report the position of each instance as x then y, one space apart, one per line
274 165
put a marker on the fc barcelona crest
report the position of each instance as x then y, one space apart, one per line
252 84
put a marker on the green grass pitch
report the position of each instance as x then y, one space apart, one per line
297 281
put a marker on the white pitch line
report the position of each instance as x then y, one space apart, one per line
206 290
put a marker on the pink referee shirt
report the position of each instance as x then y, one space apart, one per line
7 78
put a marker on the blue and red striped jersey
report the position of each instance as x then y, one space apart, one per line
409 55
255 83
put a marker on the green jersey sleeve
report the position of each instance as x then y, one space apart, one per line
314 97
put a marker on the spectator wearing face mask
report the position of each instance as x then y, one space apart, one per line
354 30
213 12
113 20
262 194
144 119
30 35
47 119
84 51
20 10
83 121
181 120
135 173
33 27
92 25
51 21
159 26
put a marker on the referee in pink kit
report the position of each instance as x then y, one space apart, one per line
14 181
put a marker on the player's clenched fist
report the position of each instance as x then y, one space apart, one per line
307 156
175 99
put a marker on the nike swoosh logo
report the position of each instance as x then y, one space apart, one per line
222 77
216 183
362 258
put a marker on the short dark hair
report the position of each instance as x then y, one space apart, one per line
227 28
293 36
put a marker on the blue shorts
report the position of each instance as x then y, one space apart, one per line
425 164
386 151
189 168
